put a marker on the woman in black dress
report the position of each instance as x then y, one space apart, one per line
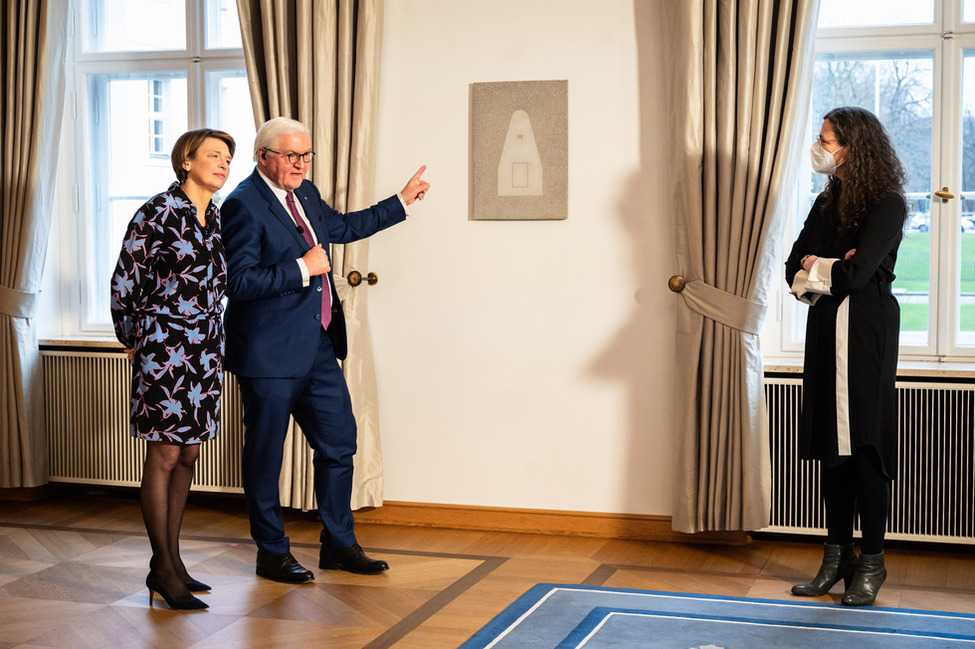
167 306
843 265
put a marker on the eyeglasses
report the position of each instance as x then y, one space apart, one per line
293 158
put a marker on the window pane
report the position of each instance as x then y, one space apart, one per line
134 25
874 13
898 88
229 109
968 11
223 26
128 162
966 269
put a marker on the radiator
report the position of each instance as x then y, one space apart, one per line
87 415
933 498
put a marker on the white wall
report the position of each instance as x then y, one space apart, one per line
526 364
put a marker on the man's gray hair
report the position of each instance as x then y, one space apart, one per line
267 136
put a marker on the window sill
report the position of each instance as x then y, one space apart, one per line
906 369
80 343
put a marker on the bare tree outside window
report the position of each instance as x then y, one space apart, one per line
912 63
898 88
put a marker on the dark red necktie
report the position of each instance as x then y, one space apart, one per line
326 288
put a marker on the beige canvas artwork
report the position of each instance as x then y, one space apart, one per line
519 150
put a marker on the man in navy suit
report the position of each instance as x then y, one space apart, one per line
285 329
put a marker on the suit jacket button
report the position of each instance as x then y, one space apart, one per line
319 289
318 316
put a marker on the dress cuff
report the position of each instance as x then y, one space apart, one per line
808 286
820 276
406 207
799 288
305 277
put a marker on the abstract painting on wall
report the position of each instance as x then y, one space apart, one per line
519 151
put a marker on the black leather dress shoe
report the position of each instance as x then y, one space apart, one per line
350 559
282 567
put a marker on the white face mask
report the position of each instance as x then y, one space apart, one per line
823 162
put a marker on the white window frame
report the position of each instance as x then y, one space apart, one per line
943 344
73 248
156 117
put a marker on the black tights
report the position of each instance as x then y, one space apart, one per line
166 478
857 486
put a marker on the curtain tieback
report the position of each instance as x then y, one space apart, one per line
18 304
720 306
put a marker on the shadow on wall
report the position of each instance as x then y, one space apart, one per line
642 352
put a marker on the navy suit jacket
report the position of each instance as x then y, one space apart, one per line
272 321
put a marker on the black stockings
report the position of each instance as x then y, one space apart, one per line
857 486
166 478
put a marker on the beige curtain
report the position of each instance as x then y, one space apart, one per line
742 75
318 61
32 78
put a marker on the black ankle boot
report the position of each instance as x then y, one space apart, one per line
839 562
869 575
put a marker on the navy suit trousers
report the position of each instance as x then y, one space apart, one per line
322 407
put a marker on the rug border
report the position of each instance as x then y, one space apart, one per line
595 616
534 596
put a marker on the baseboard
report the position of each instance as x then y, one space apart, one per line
26 494
540 521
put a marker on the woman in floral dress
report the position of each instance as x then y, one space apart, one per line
167 306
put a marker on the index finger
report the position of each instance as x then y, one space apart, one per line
419 172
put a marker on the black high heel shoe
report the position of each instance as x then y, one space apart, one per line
195 586
839 562
187 604
870 575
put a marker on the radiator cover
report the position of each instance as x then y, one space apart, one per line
933 497
87 415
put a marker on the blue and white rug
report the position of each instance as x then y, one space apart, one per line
564 616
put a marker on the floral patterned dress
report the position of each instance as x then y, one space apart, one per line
167 304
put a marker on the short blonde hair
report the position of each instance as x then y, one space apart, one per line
187 144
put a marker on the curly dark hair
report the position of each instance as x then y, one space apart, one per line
872 169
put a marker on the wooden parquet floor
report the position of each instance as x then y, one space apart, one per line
72 571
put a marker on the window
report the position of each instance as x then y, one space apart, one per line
911 62
157 118
135 90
